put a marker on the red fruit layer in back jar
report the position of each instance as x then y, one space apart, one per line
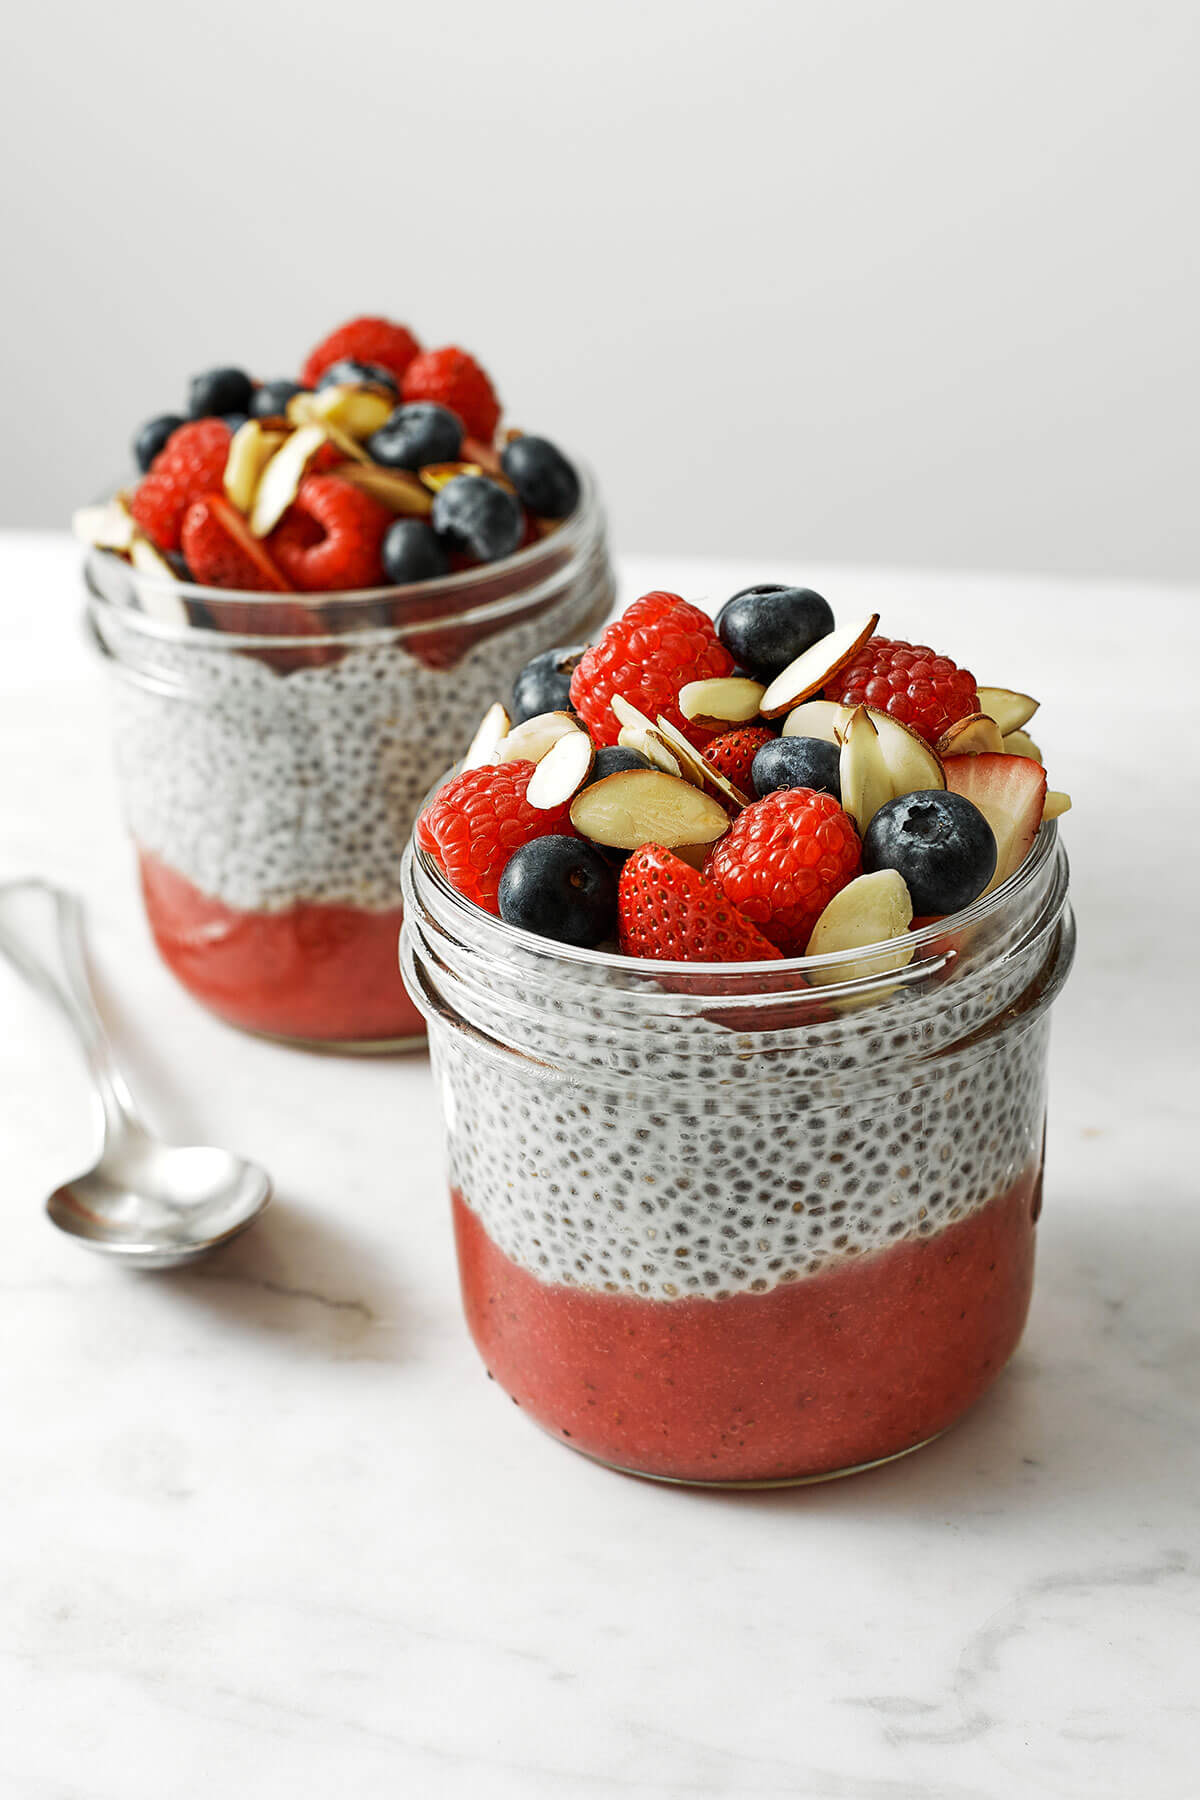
861 1362
329 974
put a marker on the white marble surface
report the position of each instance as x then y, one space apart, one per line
267 1531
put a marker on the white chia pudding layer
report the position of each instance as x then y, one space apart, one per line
639 1147
264 789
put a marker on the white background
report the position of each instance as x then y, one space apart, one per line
910 283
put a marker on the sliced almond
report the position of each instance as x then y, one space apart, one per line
1019 743
1055 805
396 489
646 741
819 664
627 713
147 559
561 772
534 738
356 410
865 780
724 700
1010 710
493 728
280 480
871 909
645 806
437 475
250 450
976 735
911 765
824 719
107 527
697 767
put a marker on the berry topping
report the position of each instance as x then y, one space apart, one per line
782 861
455 380
1010 792
220 551
349 373
655 648
940 844
544 479
270 401
474 514
732 754
411 553
218 392
672 913
191 465
615 759
910 682
331 537
153 437
472 827
417 435
367 340
561 888
544 685
767 627
796 762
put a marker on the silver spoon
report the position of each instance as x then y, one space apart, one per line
153 1205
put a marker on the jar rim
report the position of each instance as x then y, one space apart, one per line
504 938
547 559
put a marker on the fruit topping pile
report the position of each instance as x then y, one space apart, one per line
771 786
384 463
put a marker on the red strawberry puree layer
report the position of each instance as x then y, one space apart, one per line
859 1362
326 973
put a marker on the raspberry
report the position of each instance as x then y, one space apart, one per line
911 682
331 537
479 818
191 463
669 911
733 752
455 380
656 647
220 551
368 340
782 861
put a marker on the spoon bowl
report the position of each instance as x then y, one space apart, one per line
148 1204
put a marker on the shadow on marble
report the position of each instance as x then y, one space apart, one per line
1099 1411
301 1275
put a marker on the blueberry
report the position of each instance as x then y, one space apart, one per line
475 514
417 435
544 479
151 438
560 888
614 759
795 762
767 627
941 844
412 553
270 401
219 391
348 373
235 421
544 685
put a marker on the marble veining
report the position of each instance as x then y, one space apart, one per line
267 1530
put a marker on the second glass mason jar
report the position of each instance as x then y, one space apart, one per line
272 751
727 1225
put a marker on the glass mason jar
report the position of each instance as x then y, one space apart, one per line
272 751
727 1226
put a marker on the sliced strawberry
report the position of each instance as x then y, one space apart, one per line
671 912
1010 792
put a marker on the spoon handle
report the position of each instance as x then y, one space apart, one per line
73 996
